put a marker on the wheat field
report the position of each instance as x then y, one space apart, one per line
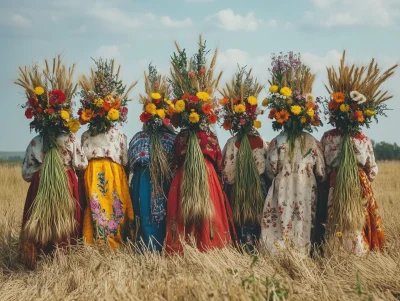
94 273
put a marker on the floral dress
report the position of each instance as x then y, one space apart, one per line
247 234
289 209
109 215
372 236
150 206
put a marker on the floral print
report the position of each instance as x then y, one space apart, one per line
289 209
102 183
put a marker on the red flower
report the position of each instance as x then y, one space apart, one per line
212 119
333 105
202 71
166 121
102 112
106 106
191 74
29 113
39 110
242 121
272 113
33 101
124 110
194 98
157 102
206 109
144 117
250 109
50 111
56 97
80 111
185 96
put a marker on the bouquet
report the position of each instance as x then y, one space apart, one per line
239 114
103 98
49 93
157 111
193 84
355 99
292 106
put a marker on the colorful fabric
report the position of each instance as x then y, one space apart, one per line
70 151
112 144
29 250
108 217
372 236
150 207
289 209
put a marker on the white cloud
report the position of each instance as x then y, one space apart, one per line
108 51
20 20
116 17
229 21
167 21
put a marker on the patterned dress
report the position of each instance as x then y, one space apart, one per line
214 233
371 237
150 206
247 234
109 215
289 209
73 158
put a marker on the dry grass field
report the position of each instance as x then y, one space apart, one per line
92 273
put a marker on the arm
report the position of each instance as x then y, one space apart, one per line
371 168
31 163
320 171
272 160
78 157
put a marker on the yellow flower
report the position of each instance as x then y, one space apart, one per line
369 113
252 100
156 96
172 106
204 96
39 90
98 102
303 120
113 115
167 101
240 108
285 91
257 124
180 106
151 108
296 110
344 107
273 89
339 234
64 115
194 117
73 125
310 112
265 102
87 115
161 113
109 98
310 97
289 101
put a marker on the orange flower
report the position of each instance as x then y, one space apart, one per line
338 97
227 125
116 104
107 106
282 116
224 101
212 119
206 109
309 105
185 96
358 115
202 71
315 122
333 105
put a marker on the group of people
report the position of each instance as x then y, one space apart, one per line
183 188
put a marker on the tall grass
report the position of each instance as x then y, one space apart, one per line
94 273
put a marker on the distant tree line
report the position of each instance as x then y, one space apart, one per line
386 151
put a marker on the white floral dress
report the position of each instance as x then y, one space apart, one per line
289 209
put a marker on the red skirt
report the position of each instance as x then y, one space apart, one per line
217 233
29 250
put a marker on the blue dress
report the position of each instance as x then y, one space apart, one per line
149 207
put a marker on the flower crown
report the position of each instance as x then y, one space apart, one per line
193 85
157 108
355 98
49 93
103 98
240 106
291 104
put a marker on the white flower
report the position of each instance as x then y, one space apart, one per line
258 111
310 97
362 99
355 96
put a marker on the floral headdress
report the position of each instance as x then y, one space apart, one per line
103 98
193 85
239 105
355 99
239 112
49 92
157 111
292 106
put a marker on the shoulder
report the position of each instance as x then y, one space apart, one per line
330 134
139 136
35 142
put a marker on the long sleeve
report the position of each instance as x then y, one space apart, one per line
31 162
319 162
78 157
229 159
272 160
124 149
371 168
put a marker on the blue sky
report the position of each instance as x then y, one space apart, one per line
246 32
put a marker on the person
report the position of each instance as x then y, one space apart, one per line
108 217
150 154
